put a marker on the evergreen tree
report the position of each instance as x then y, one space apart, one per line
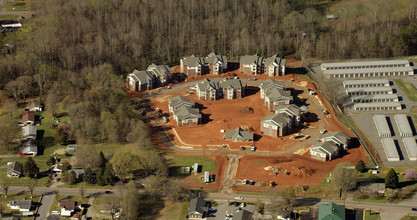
108 174
103 160
391 179
89 176
360 166
30 169
65 166
71 177
50 161
100 178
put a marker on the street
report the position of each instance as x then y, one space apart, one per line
44 206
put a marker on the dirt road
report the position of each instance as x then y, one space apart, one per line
230 174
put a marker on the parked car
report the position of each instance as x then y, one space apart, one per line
306 137
55 213
238 198
242 148
253 148
242 205
414 209
236 204
323 131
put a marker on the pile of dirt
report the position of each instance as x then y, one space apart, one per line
247 110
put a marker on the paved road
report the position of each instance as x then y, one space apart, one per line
62 191
45 205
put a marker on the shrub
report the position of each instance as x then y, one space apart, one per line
369 171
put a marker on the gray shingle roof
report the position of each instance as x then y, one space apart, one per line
29 131
185 112
340 135
290 110
142 76
242 215
28 147
275 60
325 147
14 168
231 83
251 59
193 61
278 94
197 205
22 204
232 134
178 101
213 58
216 84
271 83
160 70
276 119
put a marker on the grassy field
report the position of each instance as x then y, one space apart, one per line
407 89
18 6
409 217
372 216
176 161
8 17
17 196
173 211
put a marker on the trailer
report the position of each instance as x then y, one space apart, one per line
206 177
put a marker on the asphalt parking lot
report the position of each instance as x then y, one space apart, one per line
224 208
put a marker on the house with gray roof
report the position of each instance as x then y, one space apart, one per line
29 132
239 135
179 101
186 116
275 97
271 84
28 148
14 169
292 111
193 66
275 65
324 151
232 88
197 209
242 215
276 125
340 138
23 205
139 81
162 73
217 64
213 89
251 64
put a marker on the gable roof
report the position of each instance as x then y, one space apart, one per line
239 132
276 119
28 116
273 60
28 147
33 103
22 204
207 84
251 59
213 58
327 147
184 112
278 94
340 136
197 205
331 211
291 110
231 83
193 61
160 70
271 83
69 205
14 168
29 131
242 215
178 101
141 76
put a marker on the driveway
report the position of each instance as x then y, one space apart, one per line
44 206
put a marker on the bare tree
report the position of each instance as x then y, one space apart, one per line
27 85
10 107
15 88
31 187
42 81
5 186
113 204
82 191
88 156
9 131
56 193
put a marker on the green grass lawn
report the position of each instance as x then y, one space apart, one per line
407 89
409 217
17 196
372 215
173 211
55 206
18 6
8 17
176 161
97 203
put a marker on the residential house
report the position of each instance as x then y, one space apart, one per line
332 211
69 207
23 205
340 138
35 106
28 117
211 90
28 148
324 151
186 116
217 64
14 169
242 215
140 81
283 214
179 101
56 168
275 66
239 135
276 125
28 133
251 64
197 209
78 173
162 73
270 84
292 111
193 66
275 97
72 148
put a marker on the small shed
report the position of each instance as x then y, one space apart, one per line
206 177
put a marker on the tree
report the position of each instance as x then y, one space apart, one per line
5 186
89 176
10 107
124 163
30 168
71 177
103 160
343 178
88 156
82 191
31 187
42 80
9 131
411 174
288 194
2 208
151 162
15 88
113 203
108 175
56 193
65 166
51 161
391 179
390 193
100 177
27 85
360 166
50 102
131 203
